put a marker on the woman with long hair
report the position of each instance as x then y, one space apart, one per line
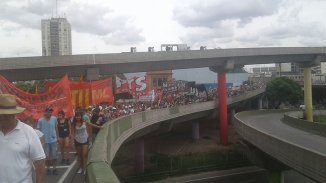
64 130
79 132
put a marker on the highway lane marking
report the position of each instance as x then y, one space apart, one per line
67 166
63 177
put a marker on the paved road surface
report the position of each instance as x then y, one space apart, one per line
237 175
271 123
63 171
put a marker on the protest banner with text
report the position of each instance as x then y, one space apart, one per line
58 98
84 94
136 86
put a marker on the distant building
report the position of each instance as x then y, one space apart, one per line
174 47
295 72
158 78
56 37
295 68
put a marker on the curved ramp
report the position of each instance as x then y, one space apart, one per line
301 150
118 131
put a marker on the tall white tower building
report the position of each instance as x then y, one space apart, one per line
56 37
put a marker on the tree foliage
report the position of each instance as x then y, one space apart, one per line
27 87
30 86
283 90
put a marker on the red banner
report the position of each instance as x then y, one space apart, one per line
137 86
84 94
58 98
102 91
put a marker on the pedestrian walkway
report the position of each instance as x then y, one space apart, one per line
63 170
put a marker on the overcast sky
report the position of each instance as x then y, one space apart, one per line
107 26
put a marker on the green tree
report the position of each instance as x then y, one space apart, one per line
25 86
283 90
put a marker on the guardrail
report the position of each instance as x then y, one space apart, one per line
116 132
306 161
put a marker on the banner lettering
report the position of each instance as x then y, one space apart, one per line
58 98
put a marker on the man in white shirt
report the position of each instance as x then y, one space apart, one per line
20 146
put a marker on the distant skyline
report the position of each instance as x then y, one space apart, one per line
107 26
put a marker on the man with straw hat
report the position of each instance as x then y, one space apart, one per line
20 147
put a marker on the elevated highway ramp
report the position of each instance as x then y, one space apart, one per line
301 150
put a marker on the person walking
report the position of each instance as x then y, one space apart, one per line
20 147
96 120
64 135
81 139
48 125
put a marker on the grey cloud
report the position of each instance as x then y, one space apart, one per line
197 35
294 29
20 52
314 41
222 31
207 13
96 19
8 27
41 7
104 22
27 13
130 36
16 14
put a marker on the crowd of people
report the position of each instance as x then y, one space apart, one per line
53 130
231 92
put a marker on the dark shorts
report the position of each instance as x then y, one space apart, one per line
80 144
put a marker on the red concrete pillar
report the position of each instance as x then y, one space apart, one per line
222 107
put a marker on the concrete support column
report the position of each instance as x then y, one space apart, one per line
140 155
222 107
195 130
260 103
266 103
308 94
232 113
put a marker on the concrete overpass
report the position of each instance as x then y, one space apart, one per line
219 60
33 68
132 127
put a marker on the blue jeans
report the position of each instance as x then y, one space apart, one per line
50 150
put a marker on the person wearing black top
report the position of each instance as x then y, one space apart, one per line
96 119
64 135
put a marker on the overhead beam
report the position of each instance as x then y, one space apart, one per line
30 68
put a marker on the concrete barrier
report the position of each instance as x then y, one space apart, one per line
294 119
310 163
118 131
